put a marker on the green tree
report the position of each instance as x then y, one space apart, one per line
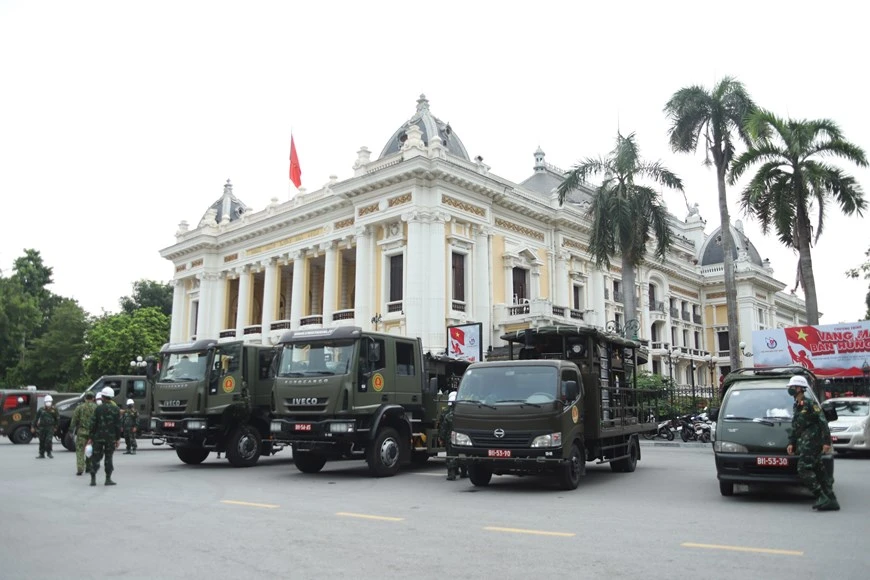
717 116
116 339
625 214
793 179
55 359
863 271
147 294
19 315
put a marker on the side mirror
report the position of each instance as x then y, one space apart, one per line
714 414
572 391
830 412
433 386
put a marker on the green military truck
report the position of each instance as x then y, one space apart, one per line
215 396
17 409
342 393
135 387
568 396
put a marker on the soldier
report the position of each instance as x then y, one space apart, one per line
811 438
105 432
130 420
444 429
45 425
81 422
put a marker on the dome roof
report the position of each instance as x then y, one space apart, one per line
713 253
430 126
228 205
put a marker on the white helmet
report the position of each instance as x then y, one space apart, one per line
108 392
798 381
100 396
130 402
451 397
48 399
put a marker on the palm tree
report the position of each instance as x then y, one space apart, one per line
793 180
717 115
624 214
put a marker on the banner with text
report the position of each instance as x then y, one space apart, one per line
828 350
465 342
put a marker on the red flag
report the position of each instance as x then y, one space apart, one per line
295 169
458 335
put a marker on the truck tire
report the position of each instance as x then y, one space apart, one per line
627 464
21 435
726 488
384 453
479 475
243 447
191 455
308 461
68 441
573 469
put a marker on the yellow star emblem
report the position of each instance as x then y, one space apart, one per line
801 334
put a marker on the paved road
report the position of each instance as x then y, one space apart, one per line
169 520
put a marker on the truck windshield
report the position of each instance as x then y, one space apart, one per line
301 359
509 384
184 366
749 404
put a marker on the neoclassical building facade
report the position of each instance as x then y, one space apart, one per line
423 237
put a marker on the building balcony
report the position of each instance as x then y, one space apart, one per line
311 320
394 306
618 297
675 312
252 329
280 325
457 306
687 315
542 311
227 333
696 318
344 315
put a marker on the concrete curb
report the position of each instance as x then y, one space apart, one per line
690 444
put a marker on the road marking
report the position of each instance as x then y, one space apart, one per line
532 532
249 504
743 549
369 517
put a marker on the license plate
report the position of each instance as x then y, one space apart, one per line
772 461
302 427
169 424
498 452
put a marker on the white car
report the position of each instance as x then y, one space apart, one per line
851 431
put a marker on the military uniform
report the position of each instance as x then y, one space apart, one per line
809 434
105 430
444 428
80 429
45 424
130 420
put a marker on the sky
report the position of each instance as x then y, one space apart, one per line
118 120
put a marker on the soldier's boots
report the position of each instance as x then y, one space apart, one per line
41 456
128 452
93 479
451 474
827 503
133 452
109 481
78 472
50 456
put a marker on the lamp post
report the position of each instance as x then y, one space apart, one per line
138 366
671 362
694 401
743 350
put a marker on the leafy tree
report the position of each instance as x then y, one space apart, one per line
33 274
55 359
863 271
625 214
794 179
717 116
147 294
116 339
19 315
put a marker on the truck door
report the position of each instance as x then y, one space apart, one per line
138 391
408 380
374 384
225 379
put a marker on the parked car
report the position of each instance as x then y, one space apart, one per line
851 431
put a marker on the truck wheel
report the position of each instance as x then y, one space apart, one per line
573 469
191 455
384 453
308 462
726 488
22 435
68 441
479 475
243 447
627 464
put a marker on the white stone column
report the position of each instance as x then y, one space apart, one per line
364 280
534 282
481 307
244 311
203 315
596 299
176 333
297 302
433 280
218 304
508 280
561 297
270 298
330 276
419 272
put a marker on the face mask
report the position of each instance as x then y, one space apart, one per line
48 404
100 402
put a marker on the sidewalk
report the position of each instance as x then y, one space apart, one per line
676 443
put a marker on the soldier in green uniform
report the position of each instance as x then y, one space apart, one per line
130 420
105 431
811 438
79 427
45 426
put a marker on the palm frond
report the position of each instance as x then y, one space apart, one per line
579 175
689 112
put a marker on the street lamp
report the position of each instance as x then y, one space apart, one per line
138 365
694 401
743 350
711 363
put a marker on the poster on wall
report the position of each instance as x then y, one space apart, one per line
465 342
828 350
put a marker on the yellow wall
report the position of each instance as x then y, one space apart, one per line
545 274
498 270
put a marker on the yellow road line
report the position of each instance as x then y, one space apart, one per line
532 532
743 549
249 504
369 517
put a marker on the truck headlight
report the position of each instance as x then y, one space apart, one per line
460 439
341 427
196 424
728 447
548 440
153 424
275 427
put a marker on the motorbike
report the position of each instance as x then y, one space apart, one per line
663 430
694 428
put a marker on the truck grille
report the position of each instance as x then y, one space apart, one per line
303 405
487 438
177 407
